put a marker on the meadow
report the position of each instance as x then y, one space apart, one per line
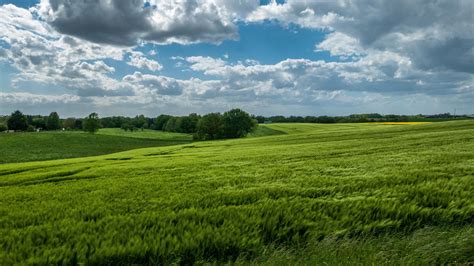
307 194
50 145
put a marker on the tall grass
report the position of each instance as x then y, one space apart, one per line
345 193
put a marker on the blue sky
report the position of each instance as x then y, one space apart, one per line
267 57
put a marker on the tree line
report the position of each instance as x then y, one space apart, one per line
359 118
17 121
234 123
231 124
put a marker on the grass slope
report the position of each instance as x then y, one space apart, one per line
34 146
263 131
319 194
145 134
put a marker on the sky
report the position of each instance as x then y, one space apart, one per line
294 57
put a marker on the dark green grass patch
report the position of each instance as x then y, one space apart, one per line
34 146
263 131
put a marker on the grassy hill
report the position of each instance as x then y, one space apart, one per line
145 134
359 193
40 146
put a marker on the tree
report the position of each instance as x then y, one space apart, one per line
173 124
237 123
189 123
91 123
38 122
210 127
53 122
17 121
69 123
78 124
161 121
260 119
127 126
140 121
3 128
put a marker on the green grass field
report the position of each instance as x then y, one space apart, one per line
34 146
145 134
312 194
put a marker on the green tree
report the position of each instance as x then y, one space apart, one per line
39 122
237 123
53 123
173 124
160 121
3 128
78 124
17 121
91 123
209 127
189 123
127 126
260 119
69 123
140 121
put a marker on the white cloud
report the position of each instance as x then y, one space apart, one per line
159 85
137 59
401 57
340 44
434 39
29 98
201 63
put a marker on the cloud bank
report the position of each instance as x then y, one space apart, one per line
400 57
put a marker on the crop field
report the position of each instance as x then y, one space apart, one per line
40 146
305 194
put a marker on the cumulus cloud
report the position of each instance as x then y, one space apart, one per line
340 44
159 85
389 56
43 56
124 22
29 98
435 36
205 64
138 60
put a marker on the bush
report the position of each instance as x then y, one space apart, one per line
3 128
127 127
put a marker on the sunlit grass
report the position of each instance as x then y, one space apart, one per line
403 123
319 194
